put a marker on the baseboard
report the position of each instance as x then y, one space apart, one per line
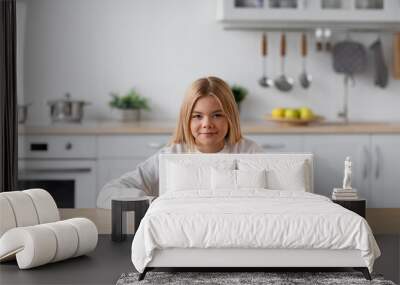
381 220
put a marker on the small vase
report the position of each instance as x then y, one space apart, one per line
130 115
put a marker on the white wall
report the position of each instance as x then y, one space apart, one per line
92 47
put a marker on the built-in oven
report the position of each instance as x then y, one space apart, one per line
64 166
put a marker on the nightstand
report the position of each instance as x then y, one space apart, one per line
118 206
358 206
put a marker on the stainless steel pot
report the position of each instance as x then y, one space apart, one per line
22 113
66 109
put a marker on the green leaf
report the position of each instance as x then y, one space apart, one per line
131 100
239 92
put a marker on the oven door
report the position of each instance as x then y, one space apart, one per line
72 183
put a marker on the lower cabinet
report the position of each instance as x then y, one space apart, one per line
375 158
119 154
375 165
330 151
385 171
109 169
279 143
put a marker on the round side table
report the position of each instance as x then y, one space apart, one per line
118 220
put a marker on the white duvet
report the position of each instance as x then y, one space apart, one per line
250 219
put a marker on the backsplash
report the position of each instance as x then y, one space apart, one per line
90 48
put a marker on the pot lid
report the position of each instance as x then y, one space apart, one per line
67 99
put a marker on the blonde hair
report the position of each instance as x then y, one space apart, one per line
220 90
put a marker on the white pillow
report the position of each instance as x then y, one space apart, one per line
236 179
181 178
288 174
251 178
189 175
223 179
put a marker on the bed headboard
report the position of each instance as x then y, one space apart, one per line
211 159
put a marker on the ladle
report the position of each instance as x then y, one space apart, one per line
304 78
283 83
264 81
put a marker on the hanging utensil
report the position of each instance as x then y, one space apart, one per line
349 57
283 83
381 70
327 36
304 78
318 39
264 81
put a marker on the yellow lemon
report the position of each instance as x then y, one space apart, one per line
292 113
306 113
278 113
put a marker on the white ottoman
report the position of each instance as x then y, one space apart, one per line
31 232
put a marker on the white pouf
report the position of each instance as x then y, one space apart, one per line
7 216
31 232
45 205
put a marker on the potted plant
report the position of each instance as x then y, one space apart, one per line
240 93
129 105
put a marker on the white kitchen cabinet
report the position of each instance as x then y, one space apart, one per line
330 151
109 169
385 171
136 146
279 143
376 158
119 154
300 14
376 165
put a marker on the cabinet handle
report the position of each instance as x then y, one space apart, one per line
378 162
155 145
68 146
366 162
54 170
273 146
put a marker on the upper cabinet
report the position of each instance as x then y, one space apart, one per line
302 14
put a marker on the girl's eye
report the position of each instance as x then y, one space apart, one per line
218 115
196 116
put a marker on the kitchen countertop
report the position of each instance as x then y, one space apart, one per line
248 127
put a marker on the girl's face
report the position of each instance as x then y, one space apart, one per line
208 125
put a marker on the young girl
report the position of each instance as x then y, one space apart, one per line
208 123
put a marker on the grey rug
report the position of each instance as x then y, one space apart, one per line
229 278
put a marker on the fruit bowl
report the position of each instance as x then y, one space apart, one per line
294 121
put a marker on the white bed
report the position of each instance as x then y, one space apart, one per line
225 217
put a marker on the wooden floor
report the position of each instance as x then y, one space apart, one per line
103 266
111 259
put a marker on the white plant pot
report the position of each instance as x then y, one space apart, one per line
130 115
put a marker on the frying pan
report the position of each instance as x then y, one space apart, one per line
349 57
